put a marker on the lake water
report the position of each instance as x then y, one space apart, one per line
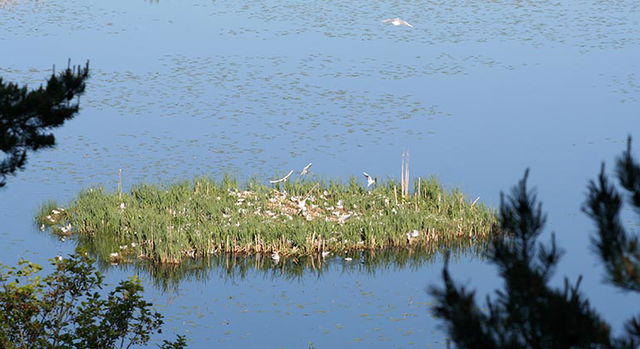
477 91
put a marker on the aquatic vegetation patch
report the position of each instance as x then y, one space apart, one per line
167 224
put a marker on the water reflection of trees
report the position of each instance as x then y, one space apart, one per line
232 267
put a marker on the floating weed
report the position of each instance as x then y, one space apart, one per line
293 220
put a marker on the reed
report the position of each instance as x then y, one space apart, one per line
404 174
190 219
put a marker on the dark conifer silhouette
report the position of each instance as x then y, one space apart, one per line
528 313
26 117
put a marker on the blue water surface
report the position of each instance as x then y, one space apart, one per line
476 92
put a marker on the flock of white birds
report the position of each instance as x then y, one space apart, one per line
370 180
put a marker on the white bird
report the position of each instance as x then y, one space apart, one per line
275 256
397 21
305 170
343 218
66 229
302 205
413 234
370 180
283 179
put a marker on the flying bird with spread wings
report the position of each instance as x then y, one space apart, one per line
283 179
397 22
370 180
305 170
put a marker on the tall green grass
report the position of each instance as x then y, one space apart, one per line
166 224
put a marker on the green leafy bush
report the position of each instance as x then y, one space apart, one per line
66 310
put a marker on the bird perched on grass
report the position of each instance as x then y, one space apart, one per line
305 170
370 180
397 22
283 179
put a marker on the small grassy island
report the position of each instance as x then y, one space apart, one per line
292 219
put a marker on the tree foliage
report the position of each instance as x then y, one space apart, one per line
66 310
528 313
26 117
